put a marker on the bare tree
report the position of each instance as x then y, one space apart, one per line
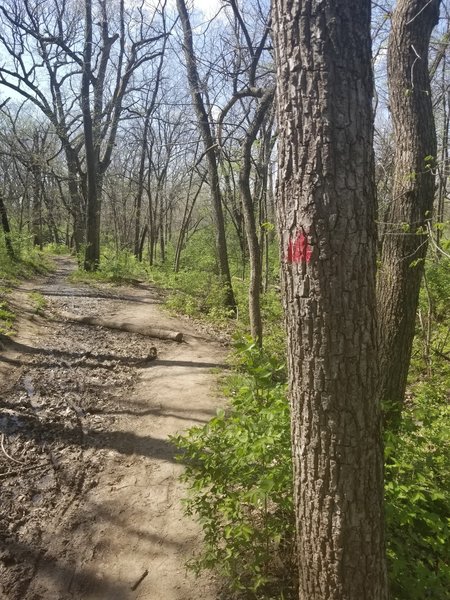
63 55
405 239
264 93
210 147
6 228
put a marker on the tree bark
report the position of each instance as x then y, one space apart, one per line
326 219
406 239
140 189
36 205
248 209
6 229
210 151
92 256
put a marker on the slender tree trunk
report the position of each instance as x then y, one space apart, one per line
138 242
36 206
142 242
326 217
76 204
140 190
6 228
208 141
443 171
188 210
254 249
137 218
162 241
49 205
405 242
234 208
92 255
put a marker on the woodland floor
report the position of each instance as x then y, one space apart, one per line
90 500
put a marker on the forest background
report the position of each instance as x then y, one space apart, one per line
142 137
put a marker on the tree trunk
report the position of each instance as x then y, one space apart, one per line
254 249
210 151
186 220
140 190
6 228
443 176
326 218
50 208
92 255
76 205
36 206
147 330
406 239
142 242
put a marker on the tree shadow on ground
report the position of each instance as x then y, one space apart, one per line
124 442
29 560
94 360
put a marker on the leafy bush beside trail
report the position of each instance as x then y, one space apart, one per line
238 469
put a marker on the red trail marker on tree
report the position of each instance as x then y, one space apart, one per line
299 249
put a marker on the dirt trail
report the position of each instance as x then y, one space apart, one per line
90 498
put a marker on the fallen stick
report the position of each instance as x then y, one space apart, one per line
139 581
154 332
15 472
19 462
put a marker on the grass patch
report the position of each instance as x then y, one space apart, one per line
7 317
28 263
38 301
122 267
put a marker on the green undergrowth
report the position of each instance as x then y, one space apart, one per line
28 261
7 317
417 470
38 301
196 290
418 455
115 267
238 471
196 294
200 293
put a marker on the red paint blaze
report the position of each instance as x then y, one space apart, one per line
299 250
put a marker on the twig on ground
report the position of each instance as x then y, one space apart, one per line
19 462
20 471
139 581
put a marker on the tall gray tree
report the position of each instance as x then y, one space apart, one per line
210 149
405 241
326 219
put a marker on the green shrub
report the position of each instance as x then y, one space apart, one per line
418 499
56 249
115 266
239 473
7 317
39 302
198 294
238 468
28 262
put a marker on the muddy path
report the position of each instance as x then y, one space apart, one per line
90 499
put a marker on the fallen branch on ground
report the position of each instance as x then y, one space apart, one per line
154 332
